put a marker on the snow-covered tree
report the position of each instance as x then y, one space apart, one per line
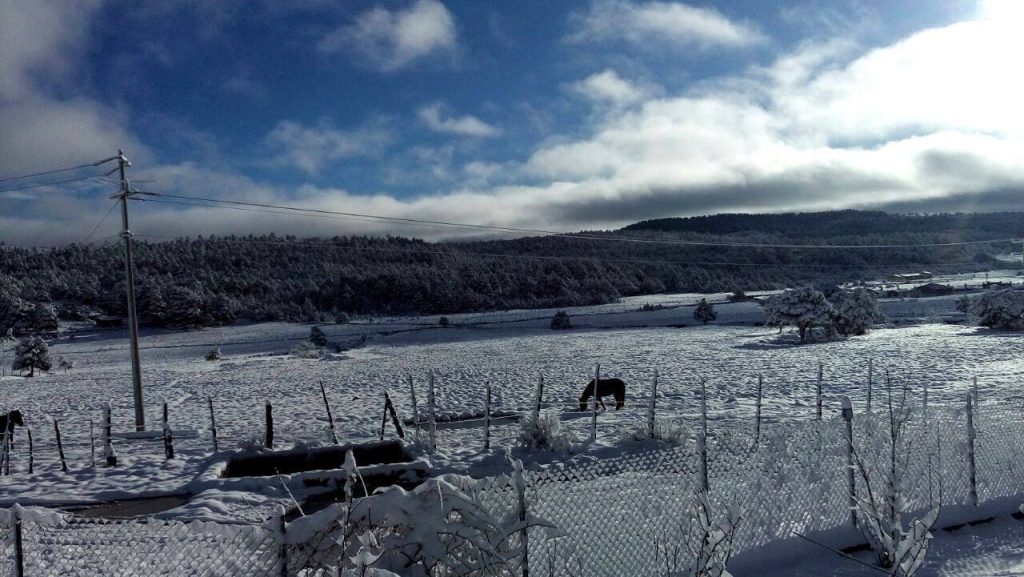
803 308
855 311
561 321
999 310
704 312
317 336
44 318
32 353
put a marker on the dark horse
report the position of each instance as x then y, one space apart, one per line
7 424
605 387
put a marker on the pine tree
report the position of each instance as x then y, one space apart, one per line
704 312
317 337
32 353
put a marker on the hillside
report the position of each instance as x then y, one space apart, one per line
216 280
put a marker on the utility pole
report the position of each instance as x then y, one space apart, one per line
129 267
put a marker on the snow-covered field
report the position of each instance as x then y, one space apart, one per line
510 355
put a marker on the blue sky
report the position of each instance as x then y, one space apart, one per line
556 115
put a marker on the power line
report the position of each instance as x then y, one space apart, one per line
100 223
533 231
87 177
56 170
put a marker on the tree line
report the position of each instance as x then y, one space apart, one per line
216 280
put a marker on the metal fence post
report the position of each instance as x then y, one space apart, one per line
871 370
971 466
593 417
330 417
19 553
757 411
213 424
702 439
60 447
847 409
818 395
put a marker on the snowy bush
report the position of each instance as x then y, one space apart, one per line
561 321
307 350
444 321
854 311
442 528
670 432
32 353
707 545
213 355
805 308
544 434
65 364
704 312
999 310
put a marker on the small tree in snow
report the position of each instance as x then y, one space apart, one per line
704 312
999 310
880 500
855 311
561 321
32 353
213 355
708 544
803 308
317 337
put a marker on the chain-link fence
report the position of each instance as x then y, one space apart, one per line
620 516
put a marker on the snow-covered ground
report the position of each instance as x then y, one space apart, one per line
510 355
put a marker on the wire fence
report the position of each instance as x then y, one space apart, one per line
622 516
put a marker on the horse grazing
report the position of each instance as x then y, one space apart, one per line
7 424
605 387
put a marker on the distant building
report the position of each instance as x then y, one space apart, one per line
911 276
931 290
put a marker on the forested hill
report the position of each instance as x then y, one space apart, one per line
212 280
967 226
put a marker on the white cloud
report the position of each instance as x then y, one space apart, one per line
607 87
310 148
669 23
38 43
388 41
434 117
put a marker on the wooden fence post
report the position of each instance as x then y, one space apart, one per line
593 417
847 411
389 410
757 411
5 452
971 466
487 416
539 399
168 435
31 455
60 447
925 403
213 424
431 415
871 370
330 417
415 409
268 432
817 400
702 439
109 456
19 550
652 405
92 444
282 553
